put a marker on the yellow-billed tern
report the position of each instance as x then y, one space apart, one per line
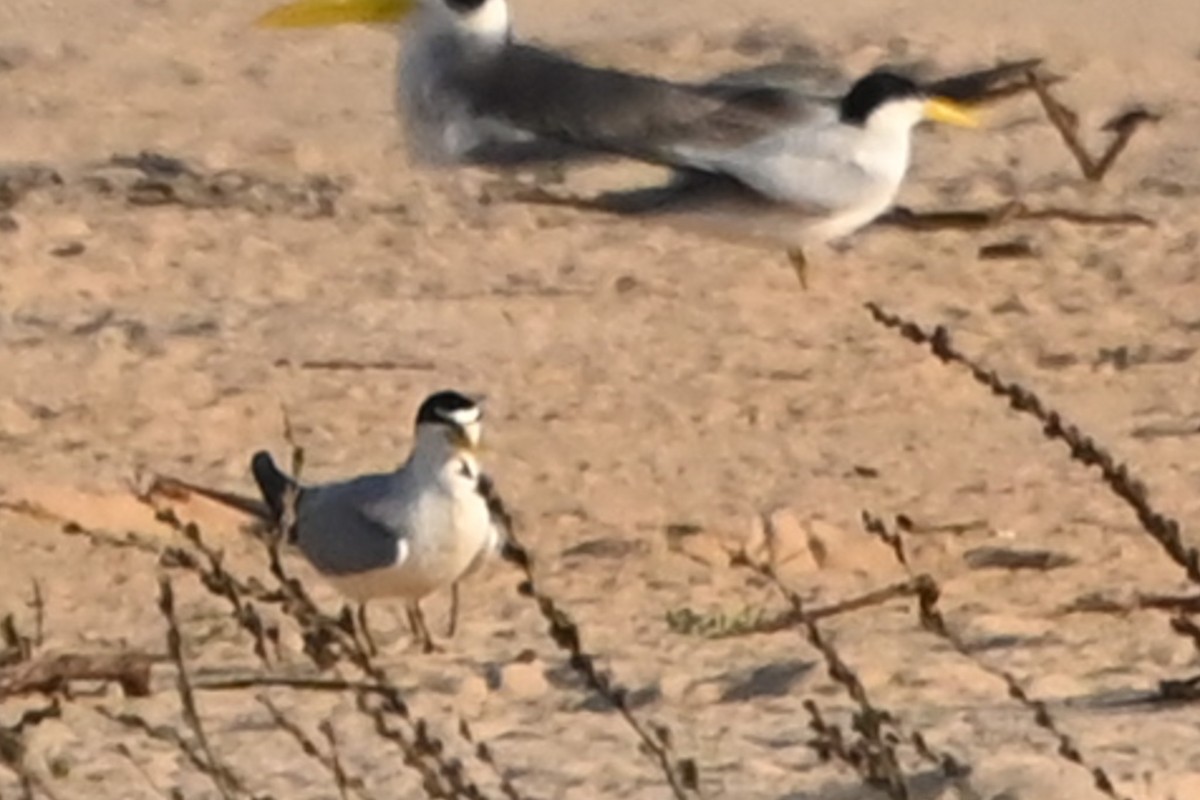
756 161
406 533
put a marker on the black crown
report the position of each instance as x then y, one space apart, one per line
439 407
872 91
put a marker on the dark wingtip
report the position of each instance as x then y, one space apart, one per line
272 482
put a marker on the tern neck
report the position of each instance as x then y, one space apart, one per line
433 451
487 24
894 119
885 141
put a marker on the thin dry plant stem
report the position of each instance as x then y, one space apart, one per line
697 625
127 754
1066 122
303 683
38 603
933 621
161 733
345 785
329 641
12 751
972 219
220 774
72 528
51 674
879 763
682 775
335 759
1166 531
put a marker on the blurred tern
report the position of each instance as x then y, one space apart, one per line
443 38
427 525
765 162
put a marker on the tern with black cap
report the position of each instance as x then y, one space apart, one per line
760 162
404 534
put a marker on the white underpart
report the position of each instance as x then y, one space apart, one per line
439 125
449 520
473 432
843 175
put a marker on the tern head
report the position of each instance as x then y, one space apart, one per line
449 418
887 101
481 20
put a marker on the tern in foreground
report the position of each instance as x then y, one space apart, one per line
761 162
407 533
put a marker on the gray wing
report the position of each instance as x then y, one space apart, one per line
345 528
640 116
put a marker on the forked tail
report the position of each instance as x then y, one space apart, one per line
272 482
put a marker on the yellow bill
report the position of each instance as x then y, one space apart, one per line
939 109
327 13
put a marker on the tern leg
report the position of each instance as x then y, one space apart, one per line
800 264
420 631
364 629
452 624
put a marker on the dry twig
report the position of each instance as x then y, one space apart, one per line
724 627
1014 210
682 774
1066 122
52 674
330 641
346 785
874 756
12 750
933 621
222 777
1166 531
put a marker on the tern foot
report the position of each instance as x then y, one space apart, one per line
800 264
420 631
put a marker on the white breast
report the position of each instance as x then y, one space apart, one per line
449 526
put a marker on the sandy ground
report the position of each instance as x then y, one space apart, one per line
639 379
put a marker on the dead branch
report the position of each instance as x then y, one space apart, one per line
353 365
228 683
933 621
327 641
17 646
1066 122
53 674
687 621
169 735
875 755
1099 604
682 775
974 219
346 785
1119 479
222 776
12 750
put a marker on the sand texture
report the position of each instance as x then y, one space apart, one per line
656 400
